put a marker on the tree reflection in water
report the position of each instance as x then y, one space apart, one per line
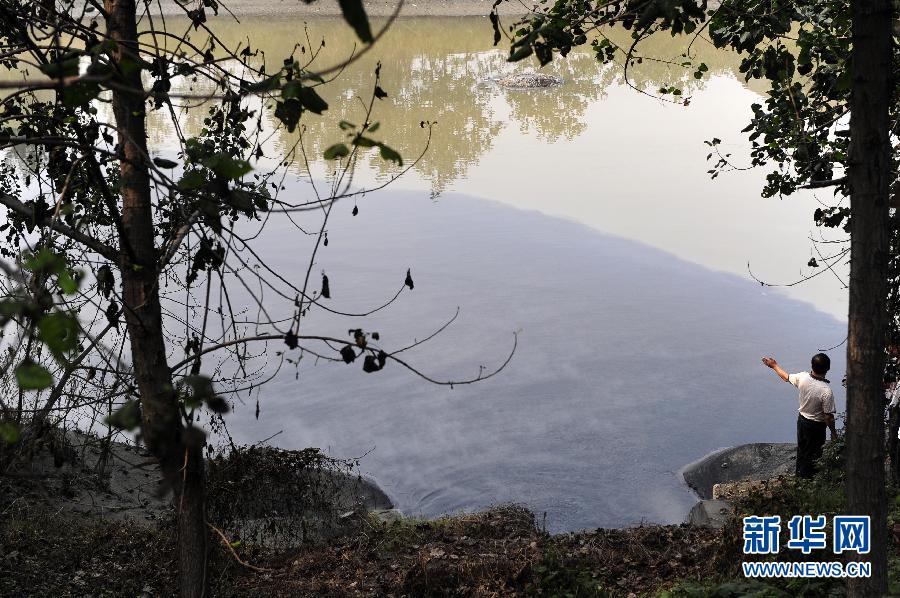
442 70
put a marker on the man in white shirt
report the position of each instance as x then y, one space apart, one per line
816 410
892 395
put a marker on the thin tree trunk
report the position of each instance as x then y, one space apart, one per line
192 532
869 176
179 453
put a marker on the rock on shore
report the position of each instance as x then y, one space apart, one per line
734 471
260 494
529 80
759 461
280 498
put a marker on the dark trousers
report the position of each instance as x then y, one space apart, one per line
810 440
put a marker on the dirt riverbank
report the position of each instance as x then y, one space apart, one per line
74 525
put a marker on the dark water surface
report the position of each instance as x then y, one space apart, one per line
580 217
631 363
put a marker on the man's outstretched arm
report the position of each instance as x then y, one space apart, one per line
770 362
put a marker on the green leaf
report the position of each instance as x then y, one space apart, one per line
239 199
348 354
45 261
355 15
495 24
59 331
105 280
289 112
312 101
79 93
361 141
192 179
370 364
308 76
64 68
520 53
267 84
129 64
845 79
201 390
31 376
126 417
338 150
10 308
100 69
67 283
291 89
164 163
194 148
390 154
9 432
217 404
227 167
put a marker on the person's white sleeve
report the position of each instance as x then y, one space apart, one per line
795 378
828 403
894 395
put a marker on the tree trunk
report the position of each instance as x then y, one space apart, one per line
192 531
178 451
869 176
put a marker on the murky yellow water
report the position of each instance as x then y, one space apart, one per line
442 70
594 150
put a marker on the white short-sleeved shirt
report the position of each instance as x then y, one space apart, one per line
816 398
893 395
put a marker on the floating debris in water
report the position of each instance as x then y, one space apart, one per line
529 80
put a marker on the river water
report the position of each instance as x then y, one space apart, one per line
581 219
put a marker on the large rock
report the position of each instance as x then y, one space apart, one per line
760 461
282 498
530 80
260 494
710 513
387 516
738 490
70 474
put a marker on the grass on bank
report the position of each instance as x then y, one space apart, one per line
498 552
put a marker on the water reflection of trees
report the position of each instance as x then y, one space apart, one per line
440 70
